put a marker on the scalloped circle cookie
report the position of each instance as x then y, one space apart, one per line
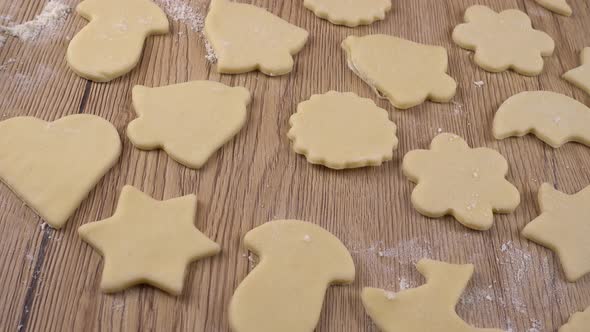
350 13
342 130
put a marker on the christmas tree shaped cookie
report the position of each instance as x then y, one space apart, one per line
350 13
580 76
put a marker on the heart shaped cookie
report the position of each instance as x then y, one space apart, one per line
53 165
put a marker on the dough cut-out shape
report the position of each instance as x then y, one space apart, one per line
350 13
285 291
503 41
404 72
148 241
247 38
564 227
189 121
557 6
552 117
454 179
580 76
342 130
111 44
430 307
52 166
578 322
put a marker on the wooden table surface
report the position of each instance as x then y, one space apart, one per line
49 279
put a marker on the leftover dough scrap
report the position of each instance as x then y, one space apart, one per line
430 307
580 76
52 166
404 72
578 322
503 40
148 241
342 130
111 44
552 117
285 291
564 227
189 121
454 179
350 13
247 38
558 6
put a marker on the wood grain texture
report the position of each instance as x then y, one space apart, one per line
49 279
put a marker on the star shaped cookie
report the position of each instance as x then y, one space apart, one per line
580 76
560 7
564 227
148 241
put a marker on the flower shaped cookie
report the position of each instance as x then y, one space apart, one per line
503 40
455 179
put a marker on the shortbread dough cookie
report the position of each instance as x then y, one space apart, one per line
111 44
552 117
558 6
402 71
148 241
189 121
580 76
52 166
503 41
350 13
285 291
430 307
564 227
342 130
454 179
579 322
247 38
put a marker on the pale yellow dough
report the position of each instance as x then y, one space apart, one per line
342 130
558 6
285 291
148 241
428 308
190 121
579 322
564 227
402 71
454 179
52 166
247 38
552 117
111 44
350 13
580 76
503 41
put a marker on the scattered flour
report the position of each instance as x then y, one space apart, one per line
253 259
390 295
181 11
307 238
211 56
53 14
2 40
479 84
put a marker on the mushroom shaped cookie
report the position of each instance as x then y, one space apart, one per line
52 166
503 41
111 44
402 71
350 13
560 7
580 76
247 38
285 291
189 121
430 307
454 179
342 130
579 322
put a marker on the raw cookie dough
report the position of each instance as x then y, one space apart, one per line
111 44
552 117
430 307
189 121
503 41
148 241
402 71
564 227
454 179
285 291
350 13
558 6
342 130
247 38
580 76
52 166
578 322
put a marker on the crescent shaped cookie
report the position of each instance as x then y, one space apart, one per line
350 13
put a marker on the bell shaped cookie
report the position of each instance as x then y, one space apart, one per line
560 7
350 13
111 44
580 76
247 38
189 121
